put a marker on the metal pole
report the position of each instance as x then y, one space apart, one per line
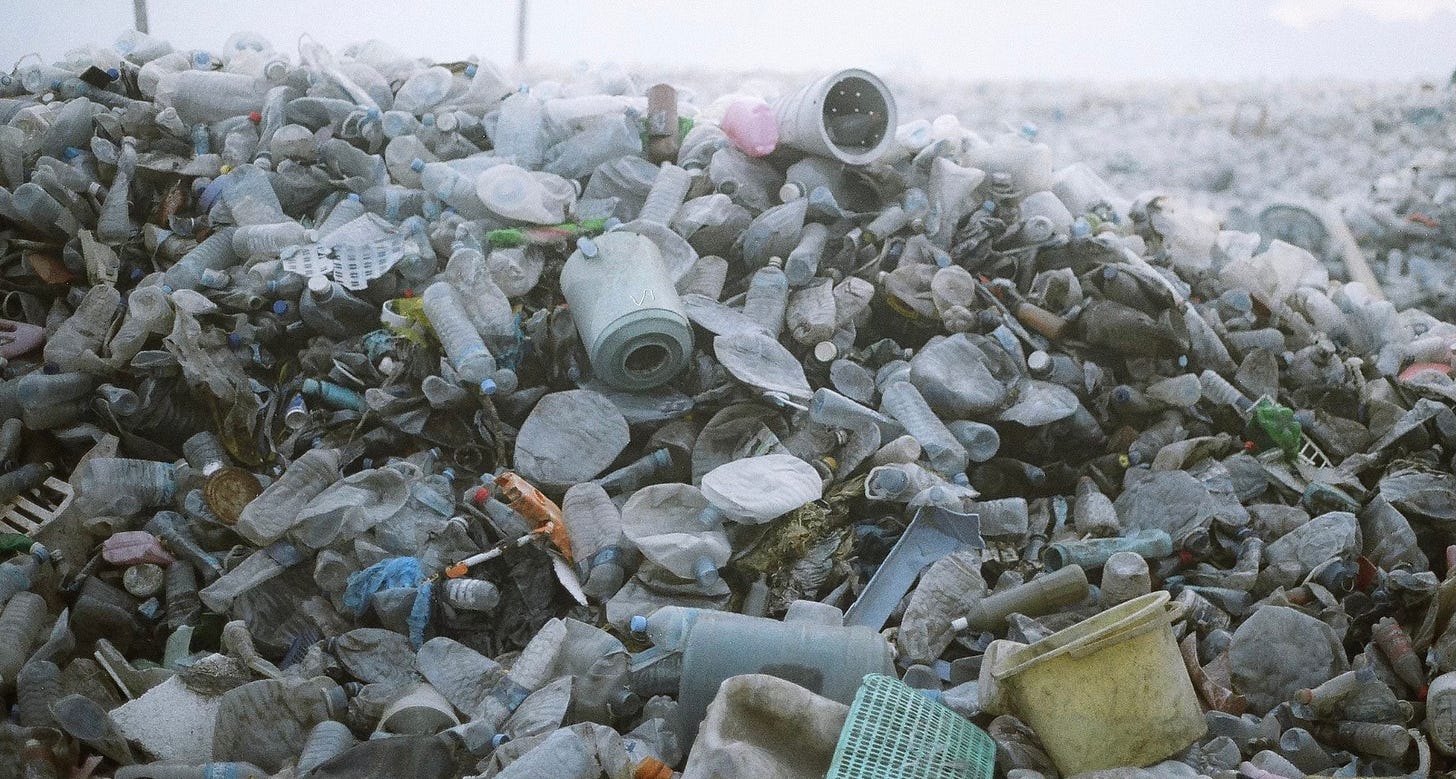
520 31
139 12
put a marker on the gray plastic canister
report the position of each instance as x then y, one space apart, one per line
807 117
627 311
828 660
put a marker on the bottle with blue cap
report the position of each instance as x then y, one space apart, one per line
664 522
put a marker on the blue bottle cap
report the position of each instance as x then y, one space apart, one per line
961 479
113 74
417 164
638 625
235 340
471 70
488 387
280 307
354 196
71 153
1122 394
587 247
498 739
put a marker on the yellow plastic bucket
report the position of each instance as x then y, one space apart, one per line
1108 691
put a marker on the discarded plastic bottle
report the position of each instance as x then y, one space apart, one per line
20 625
768 297
123 487
1042 595
327 740
601 548
181 771
904 402
1094 552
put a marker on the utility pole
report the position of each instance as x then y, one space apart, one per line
139 12
520 30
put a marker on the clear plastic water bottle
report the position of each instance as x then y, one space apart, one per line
597 539
520 131
21 623
904 402
667 194
455 188
424 90
458 337
113 225
266 518
768 297
803 262
663 521
122 487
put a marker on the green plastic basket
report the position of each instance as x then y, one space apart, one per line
895 732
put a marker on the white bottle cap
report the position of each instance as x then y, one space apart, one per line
319 284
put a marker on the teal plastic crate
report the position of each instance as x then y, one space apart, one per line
895 732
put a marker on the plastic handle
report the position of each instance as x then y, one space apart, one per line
1172 611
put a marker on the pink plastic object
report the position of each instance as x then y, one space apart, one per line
751 126
18 338
1420 367
131 547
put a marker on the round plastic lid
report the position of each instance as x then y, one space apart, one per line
825 351
280 307
1038 360
488 386
319 284
417 164
638 624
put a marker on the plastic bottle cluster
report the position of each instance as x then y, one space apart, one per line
365 416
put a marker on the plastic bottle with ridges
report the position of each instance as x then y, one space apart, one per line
458 337
803 262
120 486
904 402
37 686
768 297
113 225
666 196
327 740
20 626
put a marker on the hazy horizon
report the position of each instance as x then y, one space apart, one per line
1076 39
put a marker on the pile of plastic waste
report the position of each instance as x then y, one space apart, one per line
370 417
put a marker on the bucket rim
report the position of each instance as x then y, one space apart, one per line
1143 609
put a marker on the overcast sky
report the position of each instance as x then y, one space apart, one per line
1091 39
